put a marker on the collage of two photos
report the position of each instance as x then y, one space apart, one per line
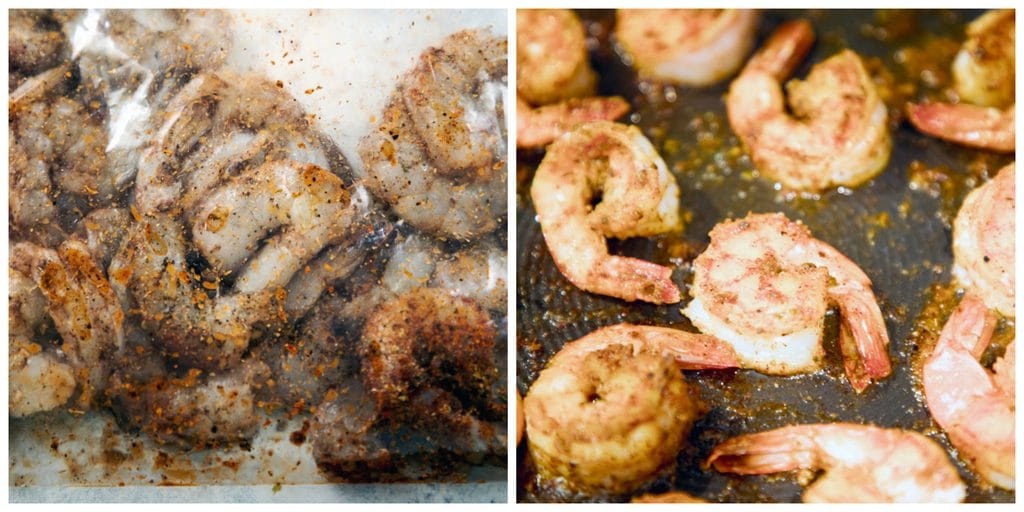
756 255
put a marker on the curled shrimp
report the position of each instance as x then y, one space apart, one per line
983 242
438 155
983 77
611 410
973 406
764 285
694 47
551 57
837 133
639 197
861 463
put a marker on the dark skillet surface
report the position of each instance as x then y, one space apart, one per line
896 227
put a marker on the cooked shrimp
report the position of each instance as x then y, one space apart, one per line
520 419
151 272
967 401
837 133
668 497
639 197
540 126
39 380
611 410
764 285
429 358
695 47
983 242
984 69
552 63
967 125
438 156
82 304
860 463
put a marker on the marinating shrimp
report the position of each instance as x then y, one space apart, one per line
695 47
152 274
552 63
537 127
639 197
985 68
969 403
39 380
438 155
429 357
860 463
983 77
983 242
837 133
611 410
80 301
764 285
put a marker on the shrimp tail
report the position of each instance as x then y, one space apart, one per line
691 351
540 126
773 451
972 329
634 279
969 125
863 341
784 50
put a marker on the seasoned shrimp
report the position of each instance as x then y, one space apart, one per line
860 463
967 125
540 126
639 197
429 357
969 403
984 69
438 155
552 63
611 410
520 419
151 273
668 497
39 380
80 301
983 242
35 43
764 285
837 133
694 47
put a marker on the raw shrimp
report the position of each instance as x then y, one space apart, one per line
35 43
764 285
611 410
537 127
152 274
694 47
837 133
101 231
860 463
969 403
429 357
438 155
551 57
82 305
639 197
983 242
39 379
984 70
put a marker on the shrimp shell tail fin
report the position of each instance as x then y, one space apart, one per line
969 125
773 451
970 327
863 341
634 279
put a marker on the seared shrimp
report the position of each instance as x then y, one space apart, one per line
967 125
764 285
985 68
429 357
540 126
520 418
611 409
151 272
82 304
438 156
639 197
969 403
694 47
668 497
551 57
983 242
861 463
837 133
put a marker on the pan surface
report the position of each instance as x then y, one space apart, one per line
896 227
